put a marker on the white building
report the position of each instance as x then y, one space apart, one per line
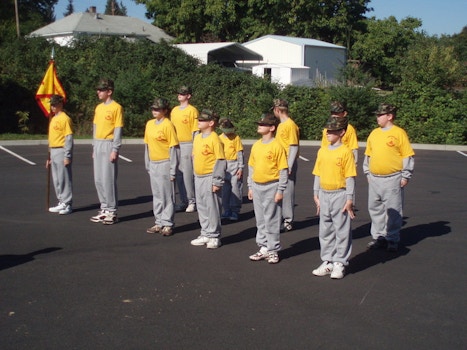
92 23
297 61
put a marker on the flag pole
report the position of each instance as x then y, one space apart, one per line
47 204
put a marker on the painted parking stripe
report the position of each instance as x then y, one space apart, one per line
464 154
124 158
17 156
303 158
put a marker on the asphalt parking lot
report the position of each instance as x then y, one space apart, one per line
67 283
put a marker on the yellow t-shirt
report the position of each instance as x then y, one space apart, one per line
267 160
60 126
387 149
185 121
288 134
107 117
349 139
333 166
231 146
160 138
206 151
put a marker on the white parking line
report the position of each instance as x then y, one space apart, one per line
126 159
464 154
303 158
17 156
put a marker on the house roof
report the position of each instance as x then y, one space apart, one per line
99 24
297 41
220 52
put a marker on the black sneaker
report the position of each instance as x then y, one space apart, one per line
392 246
379 243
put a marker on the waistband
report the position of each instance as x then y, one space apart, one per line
387 175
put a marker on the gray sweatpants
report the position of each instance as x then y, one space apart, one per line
163 193
208 205
232 191
105 175
335 233
385 200
61 176
268 215
288 203
184 178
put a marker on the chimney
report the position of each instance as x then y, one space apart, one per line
92 9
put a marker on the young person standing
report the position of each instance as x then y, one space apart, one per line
388 165
161 161
107 140
185 119
288 134
267 181
209 168
333 191
61 154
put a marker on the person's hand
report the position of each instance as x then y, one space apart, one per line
404 182
348 207
250 194
316 199
239 173
47 163
113 156
66 161
216 188
278 197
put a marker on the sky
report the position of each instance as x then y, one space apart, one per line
438 16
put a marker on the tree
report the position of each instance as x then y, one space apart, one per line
33 14
219 20
113 8
69 8
381 50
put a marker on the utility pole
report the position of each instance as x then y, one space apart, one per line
17 17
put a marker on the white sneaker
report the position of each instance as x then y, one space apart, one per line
324 269
101 214
338 271
260 255
110 218
273 257
66 211
213 243
191 208
57 208
201 240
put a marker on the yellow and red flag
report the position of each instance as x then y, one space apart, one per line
49 86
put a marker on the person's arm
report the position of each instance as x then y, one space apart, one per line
407 170
173 161
283 178
146 157
250 182
293 151
218 174
355 155
366 163
349 192
68 149
241 165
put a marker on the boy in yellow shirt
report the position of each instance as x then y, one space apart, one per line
209 168
267 181
333 189
232 191
388 165
61 151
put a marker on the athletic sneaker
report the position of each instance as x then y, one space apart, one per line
191 208
154 229
273 258
324 269
66 211
166 231
288 226
392 246
201 240
180 207
101 214
377 243
338 271
213 243
234 216
110 218
56 209
262 254
226 215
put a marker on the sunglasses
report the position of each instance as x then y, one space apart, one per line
156 109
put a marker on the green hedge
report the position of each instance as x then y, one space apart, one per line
142 70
